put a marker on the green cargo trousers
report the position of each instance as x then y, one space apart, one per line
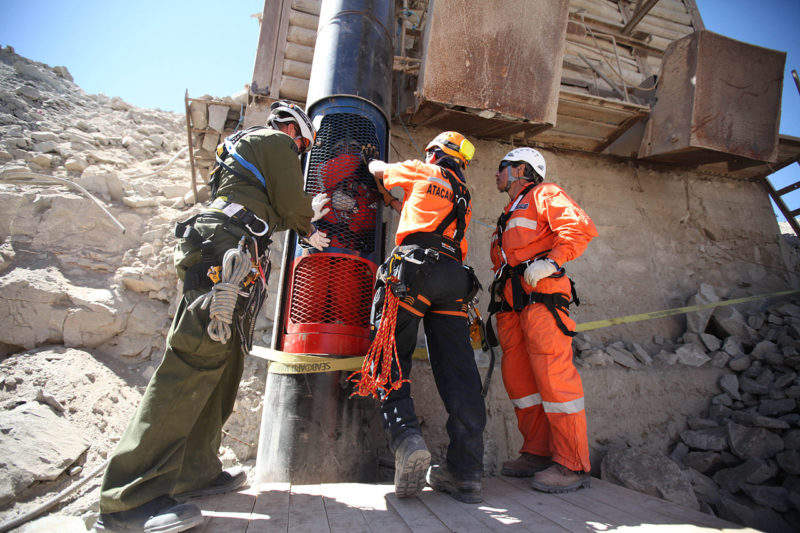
171 443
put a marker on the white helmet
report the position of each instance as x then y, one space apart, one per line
530 156
282 112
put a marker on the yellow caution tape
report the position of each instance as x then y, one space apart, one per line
302 363
298 363
597 324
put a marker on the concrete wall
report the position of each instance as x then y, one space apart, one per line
663 231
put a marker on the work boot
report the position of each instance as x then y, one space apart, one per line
559 478
440 478
526 465
226 481
411 460
162 515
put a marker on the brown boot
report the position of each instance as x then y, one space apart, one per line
559 478
526 465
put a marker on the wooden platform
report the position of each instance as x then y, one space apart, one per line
508 505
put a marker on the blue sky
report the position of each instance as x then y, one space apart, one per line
148 52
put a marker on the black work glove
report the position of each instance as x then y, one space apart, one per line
368 153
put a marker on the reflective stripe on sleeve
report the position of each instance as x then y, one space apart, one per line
441 182
570 407
522 222
527 401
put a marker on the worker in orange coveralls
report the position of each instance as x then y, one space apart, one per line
540 229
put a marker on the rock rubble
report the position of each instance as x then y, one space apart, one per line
741 457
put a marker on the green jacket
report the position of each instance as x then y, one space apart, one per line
283 205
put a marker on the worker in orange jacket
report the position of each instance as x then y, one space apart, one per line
428 282
540 229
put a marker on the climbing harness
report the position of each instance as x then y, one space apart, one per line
397 278
227 148
554 302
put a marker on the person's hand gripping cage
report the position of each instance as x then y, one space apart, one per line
371 158
319 239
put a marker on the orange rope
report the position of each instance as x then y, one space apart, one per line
376 372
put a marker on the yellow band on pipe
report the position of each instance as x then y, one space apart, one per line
301 363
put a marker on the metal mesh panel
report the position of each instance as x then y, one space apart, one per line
335 167
331 290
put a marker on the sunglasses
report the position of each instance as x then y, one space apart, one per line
504 164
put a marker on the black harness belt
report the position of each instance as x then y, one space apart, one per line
554 302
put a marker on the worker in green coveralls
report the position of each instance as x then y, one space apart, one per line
170 446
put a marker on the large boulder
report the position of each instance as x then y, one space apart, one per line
650 473
749 442
35 445
40 306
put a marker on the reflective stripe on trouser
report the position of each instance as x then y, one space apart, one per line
171 443
544 385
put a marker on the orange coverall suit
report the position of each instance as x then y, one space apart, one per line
537 367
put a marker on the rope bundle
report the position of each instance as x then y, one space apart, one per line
381 356
223 296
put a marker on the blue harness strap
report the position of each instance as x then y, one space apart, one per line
231 148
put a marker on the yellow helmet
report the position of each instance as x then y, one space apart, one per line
453 144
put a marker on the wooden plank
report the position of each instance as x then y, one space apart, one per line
303 36
637 16
297 69
368 509
298 52
416 515
565 515
294 88
303 20
498 494
306 510
652 504
267 48
271 509
603 8
585 499
697 20
582 126
280 47
452 513
227 512
307 6
566 140
589 111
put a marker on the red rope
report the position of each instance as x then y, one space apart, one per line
376 371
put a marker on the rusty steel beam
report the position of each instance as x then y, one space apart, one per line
788 188
638 16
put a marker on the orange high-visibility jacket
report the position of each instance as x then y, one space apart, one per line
428 199
543 219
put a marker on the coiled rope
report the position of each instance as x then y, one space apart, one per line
222 298
376 371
